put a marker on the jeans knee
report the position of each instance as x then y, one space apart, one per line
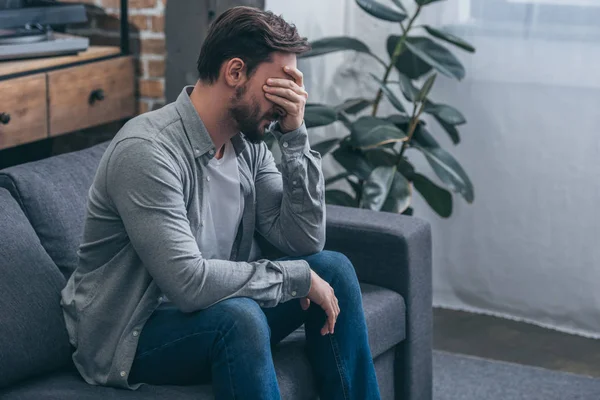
333 267
245 321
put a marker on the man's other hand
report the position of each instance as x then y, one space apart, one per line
322 294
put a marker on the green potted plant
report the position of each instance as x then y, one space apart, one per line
373 154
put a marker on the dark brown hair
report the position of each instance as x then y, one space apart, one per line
250 34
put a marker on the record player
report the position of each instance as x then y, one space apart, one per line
26 29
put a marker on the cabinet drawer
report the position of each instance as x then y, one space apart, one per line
88 95
23 110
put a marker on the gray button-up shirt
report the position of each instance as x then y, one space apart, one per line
144 225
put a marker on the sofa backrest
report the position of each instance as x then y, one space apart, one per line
33 337
53 195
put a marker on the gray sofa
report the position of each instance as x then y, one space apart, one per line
42 208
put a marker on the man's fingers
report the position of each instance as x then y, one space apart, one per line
305 303
331 324
286 83
287 105
296 74
286 93
331 313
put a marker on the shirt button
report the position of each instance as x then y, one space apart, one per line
285 144
202 222
212 151
294 293
294 183
197 151
123 373
262 304
208 178
135 333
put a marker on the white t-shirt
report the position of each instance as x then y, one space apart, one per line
224 208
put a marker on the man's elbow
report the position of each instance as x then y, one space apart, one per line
308 247
186 305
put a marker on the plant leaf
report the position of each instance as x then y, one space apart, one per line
400 5
423 138
353 161
343 118
325 146
357 187
377 188
424 92
425 2
336 178
450 129
319 115
381 11
340 198
436 55
380 157
335 43
399 196
390 95
407 63
405 168
353 106
449 171
409 91
439 199
400 120
370 132
446 113
450 38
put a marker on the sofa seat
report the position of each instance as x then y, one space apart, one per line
385 314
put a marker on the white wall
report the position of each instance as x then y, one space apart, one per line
527 247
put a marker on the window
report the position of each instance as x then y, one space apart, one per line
540 18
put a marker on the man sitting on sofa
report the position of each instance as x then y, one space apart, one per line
164 292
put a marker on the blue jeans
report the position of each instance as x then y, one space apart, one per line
229 343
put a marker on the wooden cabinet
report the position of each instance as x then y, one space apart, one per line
89 95
23 110
53 96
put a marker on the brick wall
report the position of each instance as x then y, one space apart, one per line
147 41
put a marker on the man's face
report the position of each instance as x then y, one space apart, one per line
250 109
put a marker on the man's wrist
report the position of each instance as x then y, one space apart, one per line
285 130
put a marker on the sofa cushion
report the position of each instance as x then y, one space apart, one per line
53 194
384 312
33 338
295 383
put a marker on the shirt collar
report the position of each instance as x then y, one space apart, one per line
196 131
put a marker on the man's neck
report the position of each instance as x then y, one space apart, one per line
211 105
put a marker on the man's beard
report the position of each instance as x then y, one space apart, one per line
247 116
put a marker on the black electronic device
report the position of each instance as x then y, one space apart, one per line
26 28
20 12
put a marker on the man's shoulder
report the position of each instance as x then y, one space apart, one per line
152 124
155 132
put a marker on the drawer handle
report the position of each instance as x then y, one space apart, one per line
96 95
4 118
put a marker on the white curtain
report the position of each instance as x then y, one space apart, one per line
528 247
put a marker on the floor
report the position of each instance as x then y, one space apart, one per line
518 342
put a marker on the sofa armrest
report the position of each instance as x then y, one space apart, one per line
393 251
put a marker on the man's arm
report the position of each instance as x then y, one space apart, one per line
290 204
147 193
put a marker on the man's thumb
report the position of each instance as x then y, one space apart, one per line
305 303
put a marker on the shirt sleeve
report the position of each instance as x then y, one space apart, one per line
291 202
147 193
